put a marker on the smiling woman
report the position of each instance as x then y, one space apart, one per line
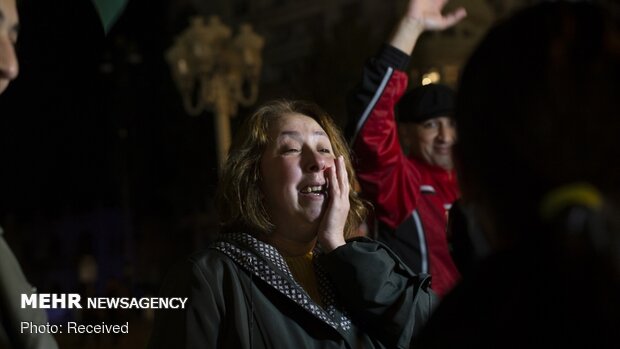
282 274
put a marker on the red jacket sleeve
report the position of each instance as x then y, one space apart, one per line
388 179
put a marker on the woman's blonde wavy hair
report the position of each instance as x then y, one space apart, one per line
240 200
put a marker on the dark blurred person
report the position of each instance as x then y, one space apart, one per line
12 280
537 159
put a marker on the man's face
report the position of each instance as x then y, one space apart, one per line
9 25
432 140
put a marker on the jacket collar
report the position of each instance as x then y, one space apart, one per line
265 262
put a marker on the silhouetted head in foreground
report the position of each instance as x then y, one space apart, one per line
538 163
538 110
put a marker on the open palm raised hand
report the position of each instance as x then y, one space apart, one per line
428 12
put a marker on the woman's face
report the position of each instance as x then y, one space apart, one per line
292 168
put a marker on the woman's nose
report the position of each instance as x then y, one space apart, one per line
316 161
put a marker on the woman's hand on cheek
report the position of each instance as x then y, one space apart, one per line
331 229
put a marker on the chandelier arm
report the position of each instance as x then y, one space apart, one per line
252 95
189 108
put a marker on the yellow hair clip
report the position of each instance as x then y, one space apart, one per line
583 194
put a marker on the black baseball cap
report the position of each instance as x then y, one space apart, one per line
426 102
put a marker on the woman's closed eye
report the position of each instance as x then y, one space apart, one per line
290 150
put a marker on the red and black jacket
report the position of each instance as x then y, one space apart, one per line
411 198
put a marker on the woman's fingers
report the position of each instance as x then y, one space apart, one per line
331 229
334 185
343 177
338 180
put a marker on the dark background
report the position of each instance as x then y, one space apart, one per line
100 159
106 181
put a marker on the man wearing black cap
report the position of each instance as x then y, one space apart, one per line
426 127
411 193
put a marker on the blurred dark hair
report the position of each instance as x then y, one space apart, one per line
538 107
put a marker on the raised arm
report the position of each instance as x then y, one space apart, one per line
421 16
